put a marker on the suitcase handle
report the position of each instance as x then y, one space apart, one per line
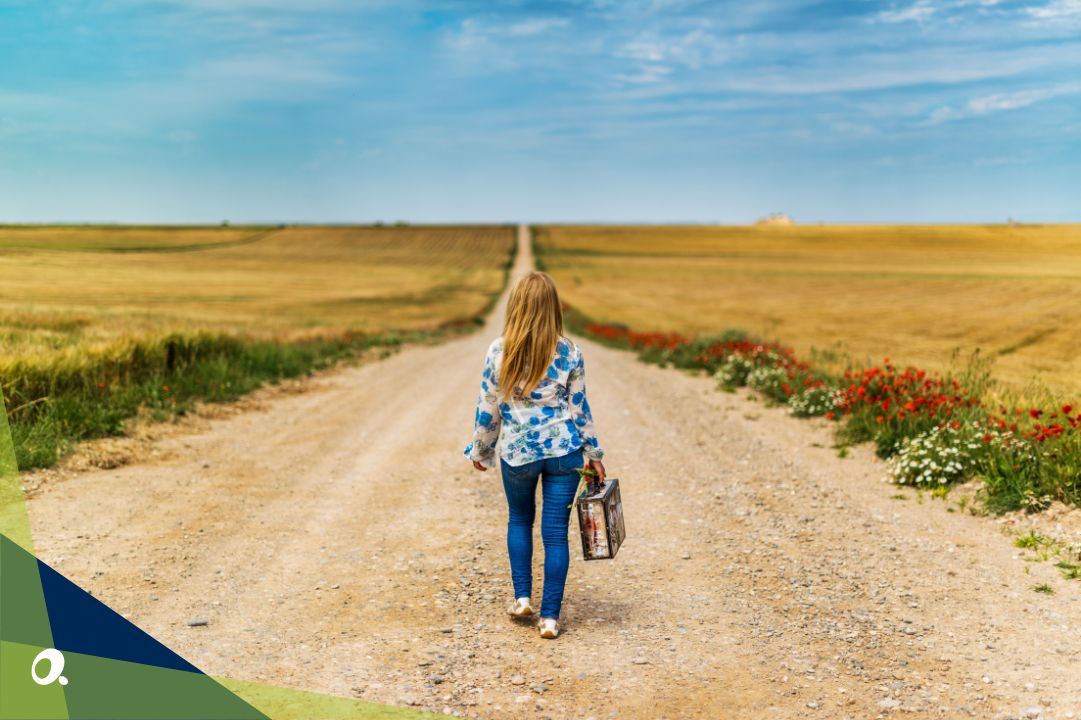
589 476
585 484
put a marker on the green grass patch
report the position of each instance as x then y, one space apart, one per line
1070 571
57 402
1032 540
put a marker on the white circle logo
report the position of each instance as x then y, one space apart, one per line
56 666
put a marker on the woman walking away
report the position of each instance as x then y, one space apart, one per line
534 388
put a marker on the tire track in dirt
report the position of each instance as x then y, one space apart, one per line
337 541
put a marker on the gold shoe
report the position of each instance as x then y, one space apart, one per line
522 607
549 628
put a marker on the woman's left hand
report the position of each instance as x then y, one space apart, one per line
599 467
478 466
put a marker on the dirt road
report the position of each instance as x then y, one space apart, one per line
337 541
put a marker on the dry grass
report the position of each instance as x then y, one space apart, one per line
98 324
76 288
120 238
914 293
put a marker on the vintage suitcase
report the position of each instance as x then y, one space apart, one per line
600 518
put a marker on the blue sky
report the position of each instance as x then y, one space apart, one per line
581 110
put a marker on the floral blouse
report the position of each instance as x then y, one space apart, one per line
553 421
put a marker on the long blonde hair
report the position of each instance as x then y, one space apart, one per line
533 326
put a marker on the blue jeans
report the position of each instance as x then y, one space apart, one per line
559 480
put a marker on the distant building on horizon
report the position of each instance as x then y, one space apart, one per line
777 218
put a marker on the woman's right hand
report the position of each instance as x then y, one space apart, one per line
478 466
598 466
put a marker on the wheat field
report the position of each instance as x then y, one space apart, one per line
81 287
913 293
102 324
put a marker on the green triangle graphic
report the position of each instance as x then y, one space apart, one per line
153 683
20 697
105 689
24 617
289 704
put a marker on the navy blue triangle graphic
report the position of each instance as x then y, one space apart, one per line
83 624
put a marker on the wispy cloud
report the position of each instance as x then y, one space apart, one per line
693 48
230 6
922 10
1056 10
999 102
475 33
646 74
535 26
917 12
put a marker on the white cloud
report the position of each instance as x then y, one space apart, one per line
807 67
1056 10
646 74
656 55
644 49
536 26
230 6
922 10
999 102
1008 101
474 33
944 114
917 12
692 49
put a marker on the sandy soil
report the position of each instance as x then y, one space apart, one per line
336 540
